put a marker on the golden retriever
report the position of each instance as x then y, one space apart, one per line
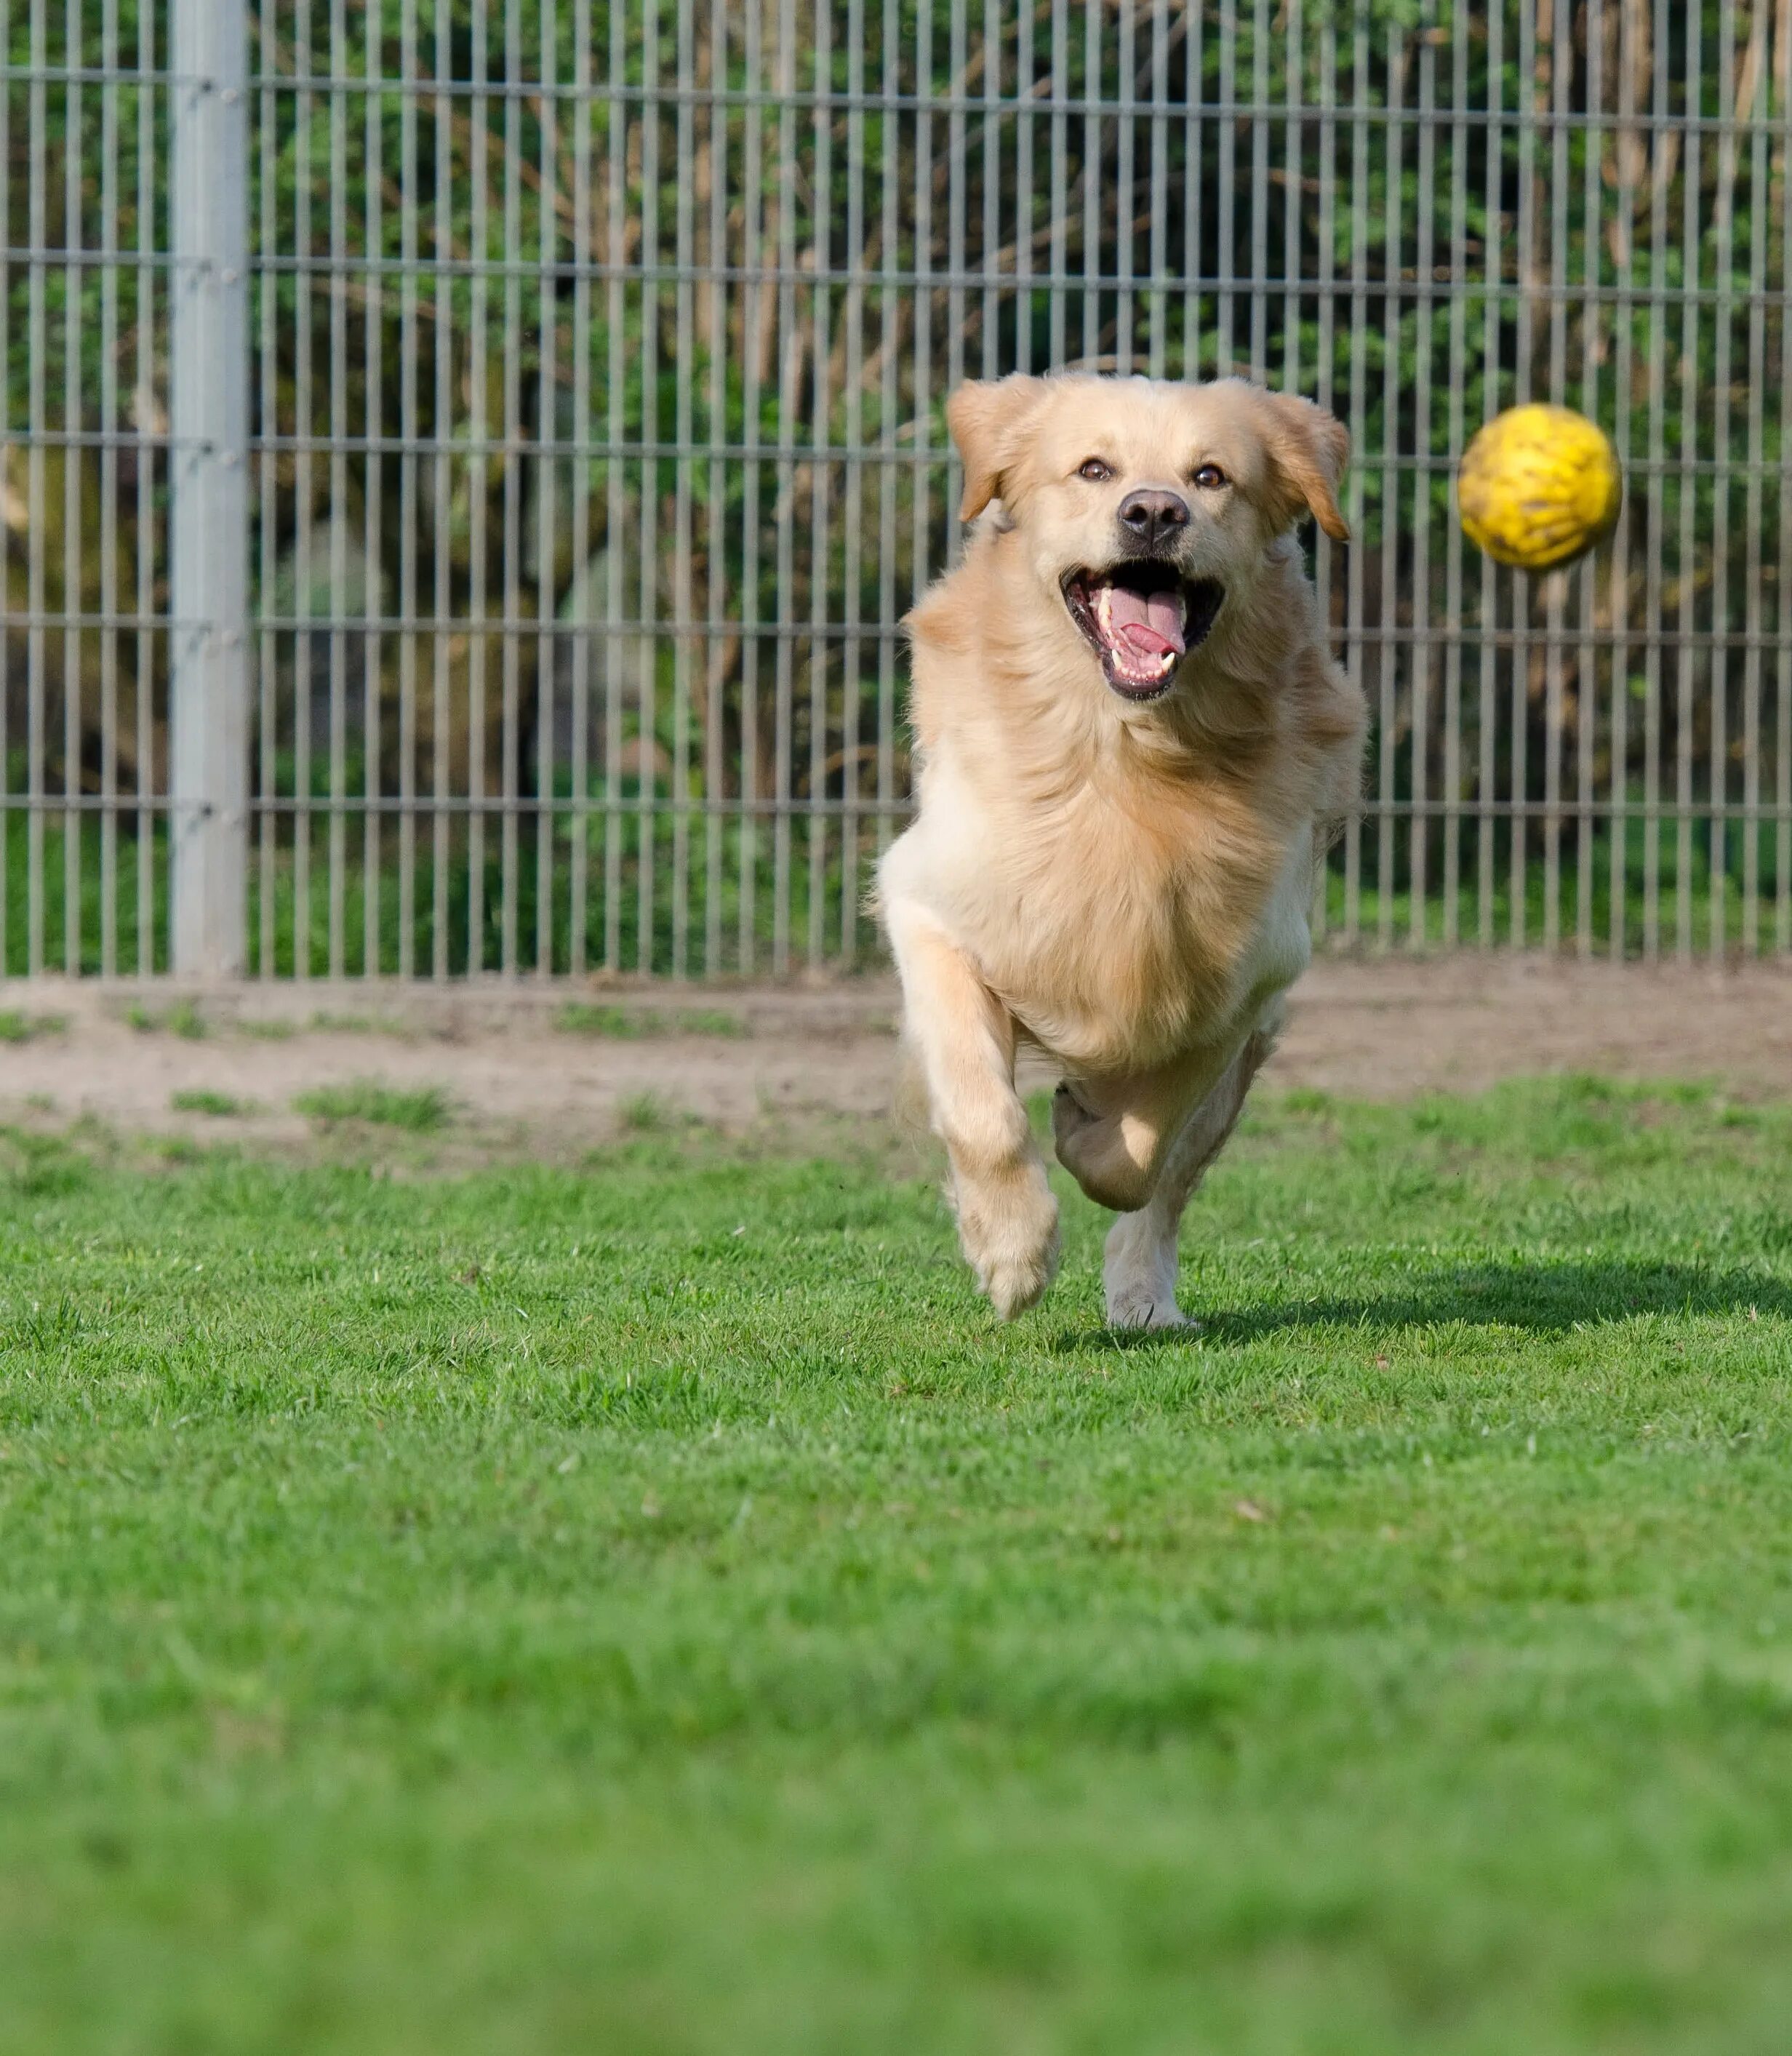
1133 744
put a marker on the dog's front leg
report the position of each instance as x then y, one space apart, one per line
1007 1219
1139 1268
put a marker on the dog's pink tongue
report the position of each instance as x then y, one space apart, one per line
1150 624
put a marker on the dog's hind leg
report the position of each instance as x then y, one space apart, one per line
1139 1271
965 1037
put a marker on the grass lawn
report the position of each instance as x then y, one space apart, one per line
658 1609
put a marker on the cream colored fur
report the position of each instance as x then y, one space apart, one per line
1124 885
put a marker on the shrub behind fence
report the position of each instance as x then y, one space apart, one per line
464 463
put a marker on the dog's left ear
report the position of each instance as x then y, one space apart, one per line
987 417
1309 449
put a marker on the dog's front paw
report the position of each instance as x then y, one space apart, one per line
1139 1275
1128 1310
1011 1241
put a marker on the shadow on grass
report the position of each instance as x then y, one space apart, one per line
1546 1299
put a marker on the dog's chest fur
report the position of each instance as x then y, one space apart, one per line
1123 926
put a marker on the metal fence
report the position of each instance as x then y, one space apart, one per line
463 463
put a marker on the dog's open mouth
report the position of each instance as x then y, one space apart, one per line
1141 620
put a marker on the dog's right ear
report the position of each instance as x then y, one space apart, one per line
987 417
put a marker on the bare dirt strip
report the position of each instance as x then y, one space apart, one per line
554 1070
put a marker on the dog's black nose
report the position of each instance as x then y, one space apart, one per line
1150 514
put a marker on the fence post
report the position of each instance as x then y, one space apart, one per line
208 751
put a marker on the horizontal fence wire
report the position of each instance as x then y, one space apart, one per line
599 360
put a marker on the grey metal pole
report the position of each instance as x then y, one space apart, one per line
209 350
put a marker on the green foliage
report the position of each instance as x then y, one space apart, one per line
581 320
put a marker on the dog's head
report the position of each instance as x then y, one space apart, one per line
1145 507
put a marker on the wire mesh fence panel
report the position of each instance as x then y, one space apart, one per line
597 358
85 455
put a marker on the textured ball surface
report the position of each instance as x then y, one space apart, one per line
1538 486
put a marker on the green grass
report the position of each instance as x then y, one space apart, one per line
17 1027
422 1111
625 1023
655 1608
199 1099
184 1018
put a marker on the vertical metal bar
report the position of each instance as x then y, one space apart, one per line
410 469
1424 440
646 775
1455 434
148 334
1561 69
1494 272
716 770
1260 189
305 424
209 350
73 467
480 427
268 482
1653 547
989 254
1522 612
1324 564
7 189
888 335
921 512
788 389
1626 141
1691 394
1783 787
510 742
441 428
1723 316
1359 414
112 429
1060 175
1758 72
37 558
821 186
615 539
1587 654
1393 254
584 247
1293 183
1026 150
1125 200
1094 208
685 650
1196 144
754 303
956 164
1157 361
1227 258
338 823
373 501
547 473
854 485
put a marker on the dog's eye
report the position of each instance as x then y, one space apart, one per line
1094 470
1210 475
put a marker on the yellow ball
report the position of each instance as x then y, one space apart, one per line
1538 486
